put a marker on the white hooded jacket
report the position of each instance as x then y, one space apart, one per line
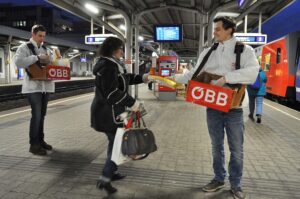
24 58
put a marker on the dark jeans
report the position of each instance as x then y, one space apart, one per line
150 85
232 123
38 103
109 167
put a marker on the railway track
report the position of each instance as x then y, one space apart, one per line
11 96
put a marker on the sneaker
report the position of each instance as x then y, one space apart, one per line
213 186
46 146
37 150
238 193
258 119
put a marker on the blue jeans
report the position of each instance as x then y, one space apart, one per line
38 103
233 123
255 103
259 104
109 167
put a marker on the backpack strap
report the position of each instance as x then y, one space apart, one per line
31 48
204 60
238 50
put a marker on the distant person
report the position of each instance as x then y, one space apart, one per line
222 62
256 93
37 91
185 69
111 99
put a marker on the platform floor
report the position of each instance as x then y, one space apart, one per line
180 167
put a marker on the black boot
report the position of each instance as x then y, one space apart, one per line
106 186
251 116
258 119
118 176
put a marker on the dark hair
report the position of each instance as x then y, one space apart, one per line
37 28
228 22
109 45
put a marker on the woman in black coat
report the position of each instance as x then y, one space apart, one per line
111 99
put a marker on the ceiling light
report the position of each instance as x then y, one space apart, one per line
122 27
76 51
141 38
91 8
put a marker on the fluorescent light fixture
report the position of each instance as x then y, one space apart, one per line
141 38
22 42
228 14
54 47
122 27
91 53
91 8
76 51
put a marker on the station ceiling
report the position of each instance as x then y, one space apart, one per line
174 12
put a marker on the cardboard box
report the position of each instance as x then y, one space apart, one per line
233 95
49 72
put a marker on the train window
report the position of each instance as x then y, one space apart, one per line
267 62
278 55
297 52
1 67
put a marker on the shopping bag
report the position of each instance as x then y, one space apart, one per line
117 156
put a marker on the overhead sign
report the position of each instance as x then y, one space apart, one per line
241 2
251 38
97 39
82 59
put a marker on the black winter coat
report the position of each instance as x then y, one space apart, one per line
111 94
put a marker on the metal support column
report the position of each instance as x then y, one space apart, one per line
259 22
92 26
245 24
7 59
136 57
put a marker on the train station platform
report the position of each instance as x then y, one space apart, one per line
19 82
178 170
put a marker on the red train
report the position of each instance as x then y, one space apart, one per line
280 60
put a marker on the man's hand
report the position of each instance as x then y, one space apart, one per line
219 82
44 59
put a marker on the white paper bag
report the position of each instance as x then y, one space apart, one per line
117 156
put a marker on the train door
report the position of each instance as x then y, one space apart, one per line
298 71
2 64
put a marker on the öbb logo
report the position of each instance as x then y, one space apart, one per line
209 96
58 72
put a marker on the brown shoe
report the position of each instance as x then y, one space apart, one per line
37 150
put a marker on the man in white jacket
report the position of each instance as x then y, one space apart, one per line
37 91
222 62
